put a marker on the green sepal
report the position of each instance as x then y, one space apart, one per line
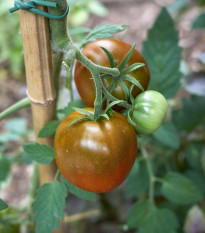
133 81
110 57
102 116
130 118
84 112
125 89
126 58
112 98
132 99
132 68
117 102
79 119
111 88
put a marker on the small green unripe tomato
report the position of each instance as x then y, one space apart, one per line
149 110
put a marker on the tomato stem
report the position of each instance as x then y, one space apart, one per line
14 108
150 172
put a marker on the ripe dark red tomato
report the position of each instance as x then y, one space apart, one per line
95 156
119 49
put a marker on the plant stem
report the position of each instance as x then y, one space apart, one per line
151 174
62 42
15 107
95 71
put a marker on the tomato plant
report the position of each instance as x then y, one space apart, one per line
95 156
95 53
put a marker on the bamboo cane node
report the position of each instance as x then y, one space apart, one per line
42 103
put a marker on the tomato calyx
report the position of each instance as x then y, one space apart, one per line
107 113
124 73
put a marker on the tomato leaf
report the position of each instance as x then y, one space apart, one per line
49 206
49 129
149 219
197 178
78 192
191 114
199 22
194 155
126 58
163 55
78 103
168 135
110 57
138 180
42 154
179 189
103 31
5 167
3 205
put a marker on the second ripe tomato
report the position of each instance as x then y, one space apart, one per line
118 49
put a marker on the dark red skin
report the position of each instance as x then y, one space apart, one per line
119 49
95 156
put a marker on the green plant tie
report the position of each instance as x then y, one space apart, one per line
31 7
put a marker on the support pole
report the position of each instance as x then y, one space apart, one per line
40 83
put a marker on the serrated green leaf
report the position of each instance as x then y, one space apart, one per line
149 219
191 114
5 166
3 205
78 103
193 155
199 22
103 31
42 154
163 55
49 129
197 178
168 135
49 206
179 189
78 30
138 181
79 192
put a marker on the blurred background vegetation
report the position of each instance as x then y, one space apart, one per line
15 168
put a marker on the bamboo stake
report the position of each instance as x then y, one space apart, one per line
40 84
41 91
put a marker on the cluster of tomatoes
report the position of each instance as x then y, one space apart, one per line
97 156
